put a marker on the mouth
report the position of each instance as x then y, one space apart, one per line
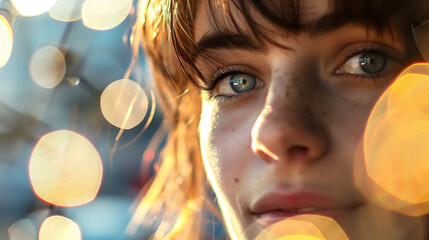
304 210
277 206
270 217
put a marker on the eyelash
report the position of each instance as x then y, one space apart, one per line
221 74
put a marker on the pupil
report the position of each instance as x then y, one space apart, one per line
242 82
372 62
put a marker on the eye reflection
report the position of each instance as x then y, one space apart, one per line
367 63
237 83
242 82
372 62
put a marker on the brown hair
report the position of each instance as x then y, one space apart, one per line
166 27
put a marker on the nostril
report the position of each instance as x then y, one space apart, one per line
298 152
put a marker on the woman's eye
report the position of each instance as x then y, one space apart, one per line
369 63
364 72
237 83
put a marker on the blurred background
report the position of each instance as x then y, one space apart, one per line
57 58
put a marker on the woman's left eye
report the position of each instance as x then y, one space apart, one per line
370 63
237 83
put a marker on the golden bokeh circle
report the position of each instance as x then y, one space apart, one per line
105 14
32 7
396 145
47 67
6 36
301 227
58 227
66 10
124 104
65 169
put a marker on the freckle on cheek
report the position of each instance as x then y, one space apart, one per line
236 180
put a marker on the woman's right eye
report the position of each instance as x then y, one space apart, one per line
235 84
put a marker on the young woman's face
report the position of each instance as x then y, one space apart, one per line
280 129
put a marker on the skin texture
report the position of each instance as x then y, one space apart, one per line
298 130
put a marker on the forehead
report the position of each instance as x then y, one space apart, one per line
225 15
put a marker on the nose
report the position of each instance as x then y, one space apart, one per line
287 128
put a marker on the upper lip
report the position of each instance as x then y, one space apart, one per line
297 200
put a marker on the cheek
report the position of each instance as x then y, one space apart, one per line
228 158
225 138
208 153
225 143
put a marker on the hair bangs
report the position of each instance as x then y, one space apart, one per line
394 17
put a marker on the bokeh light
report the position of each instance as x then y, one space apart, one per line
59 227
124 103
396 145
47 66
65 169
299 237
105 14
303 227
66 10
291 229
6 40
24 229
32 7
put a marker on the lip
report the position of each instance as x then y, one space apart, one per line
278 205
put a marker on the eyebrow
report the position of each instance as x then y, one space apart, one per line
230 40
225 39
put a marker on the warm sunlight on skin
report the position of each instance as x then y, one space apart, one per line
124 104
309 227
65 169
47 67
257 147
32 7
395 143
66 10
58 227
23 230
6 38
105 14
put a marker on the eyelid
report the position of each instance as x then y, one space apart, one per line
364 47
358 55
